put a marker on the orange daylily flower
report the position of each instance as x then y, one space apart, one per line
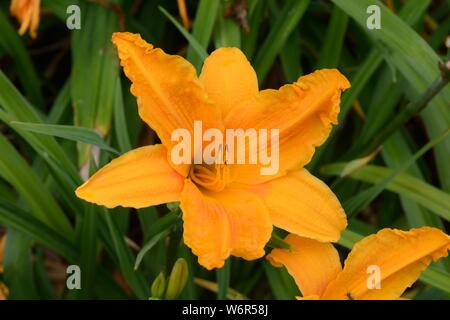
4 291
27 13
400 257
2 249
227 209
3 288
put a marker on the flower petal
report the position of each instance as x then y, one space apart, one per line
223 223
303 112
139 178
229 78
2 250
304 205
35 18
168 92
400 256
312 264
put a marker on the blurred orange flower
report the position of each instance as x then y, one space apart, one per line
3 288
4 291
27 13
398 256
2 249
228 209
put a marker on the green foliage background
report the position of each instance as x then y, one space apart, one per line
63 93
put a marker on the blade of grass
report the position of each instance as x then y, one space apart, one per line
255 16
18 266
290 54
10 41
406 48
410 13
17 218
120 123
277 280
288 19
148 246
79 134
95 69
60 105
412 188
363 199
43 284
205 18
290 57
194 43
406 114
125 259
17 108
333 42
395 152
191 291
17 172
88 242
59 7
227 32
223 279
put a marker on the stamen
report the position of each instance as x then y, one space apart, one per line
214 178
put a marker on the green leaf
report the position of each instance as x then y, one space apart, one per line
163 223
148 246
16 218
288 19
410 13
60 105
120 123
227 32
250 39
59 7
437 279
282 284
406 48
125 259
202 29
95 69
10 41
17 108
363 199
196 46
330 52
290 57
79 134
223 279
405 185
395 152
18 266
88 242
18 173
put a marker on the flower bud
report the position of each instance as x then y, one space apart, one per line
158 287
177 280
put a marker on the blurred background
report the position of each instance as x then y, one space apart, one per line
387 160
